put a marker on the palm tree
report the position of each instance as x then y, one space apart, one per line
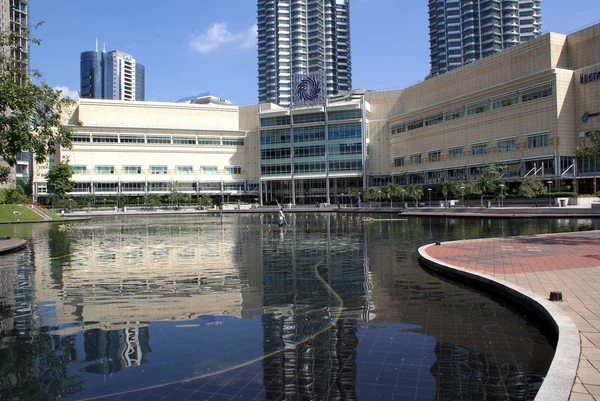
415 191
448 188
373 193
352 193
393 191
487 180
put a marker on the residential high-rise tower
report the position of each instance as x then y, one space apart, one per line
462 31
302 37
113 75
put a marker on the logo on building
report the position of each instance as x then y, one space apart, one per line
586 78
587 115
308 89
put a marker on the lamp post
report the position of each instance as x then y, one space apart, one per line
549 193
403 198
138 201
462 196
342 195
429 191
501 195
359 199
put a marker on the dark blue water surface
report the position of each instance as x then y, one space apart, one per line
331 307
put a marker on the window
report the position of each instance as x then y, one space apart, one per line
455 153
537 140
344 115
133 139
506 145
277 153
42 188
78 169
398 129
309 151
454 114
184 169
276 169
343 131
132 169
209 169
184 140
346 149
415 159
277 136
536 92
234 170
309 118
432 120
312 167
272 121
505 101
80 138
414 124
105 138
479 149
308 134
158 139
435 156
399 161
105 169
158 169
345 165
105 187
133 187
477 108
233 142
157 186
209 141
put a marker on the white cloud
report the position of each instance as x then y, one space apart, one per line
66 92
219 35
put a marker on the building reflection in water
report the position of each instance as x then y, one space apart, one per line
388 330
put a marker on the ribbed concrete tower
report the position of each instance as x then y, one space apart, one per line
302 36
462 31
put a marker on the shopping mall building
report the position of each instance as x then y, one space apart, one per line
528 107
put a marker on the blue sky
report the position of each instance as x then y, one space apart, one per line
191 46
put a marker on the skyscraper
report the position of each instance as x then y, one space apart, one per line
301 37
462 31
113 75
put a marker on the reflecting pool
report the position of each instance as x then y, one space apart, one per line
333 306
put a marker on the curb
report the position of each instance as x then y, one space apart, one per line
561 375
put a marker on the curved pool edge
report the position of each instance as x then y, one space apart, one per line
561 375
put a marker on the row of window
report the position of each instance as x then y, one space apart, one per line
105 169
477 149
312 167
312 133
520 96
129 187
157 139
311 118
312 151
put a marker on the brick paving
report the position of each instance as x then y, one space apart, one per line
568 262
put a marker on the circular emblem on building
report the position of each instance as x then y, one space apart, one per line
308 89
586 116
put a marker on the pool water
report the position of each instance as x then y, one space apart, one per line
331 307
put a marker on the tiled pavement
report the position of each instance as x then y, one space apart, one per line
568 262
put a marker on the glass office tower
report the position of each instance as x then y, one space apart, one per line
302 37
462 31
113 75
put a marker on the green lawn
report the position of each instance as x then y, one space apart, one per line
7 214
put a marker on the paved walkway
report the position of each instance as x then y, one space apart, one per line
568 262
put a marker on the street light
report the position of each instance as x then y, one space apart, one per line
549 194
429 190
501 195
403 199
138 200
462 196
359 199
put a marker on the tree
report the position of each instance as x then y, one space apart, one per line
415 192
177 196
487 180
393 191
471 188
206 200
153 200
448 188
59 180
532 188
590 146
12 195
373 194
352 193
30 112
